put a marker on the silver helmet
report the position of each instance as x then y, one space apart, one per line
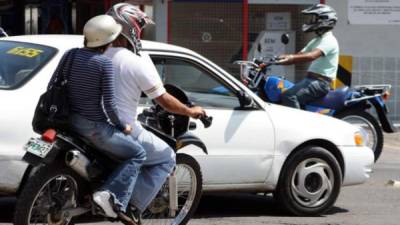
322 18
133 20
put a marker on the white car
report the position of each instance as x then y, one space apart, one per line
304 158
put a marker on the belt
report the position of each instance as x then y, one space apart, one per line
316 76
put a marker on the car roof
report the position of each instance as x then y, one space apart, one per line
64 42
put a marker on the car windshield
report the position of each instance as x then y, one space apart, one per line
20 61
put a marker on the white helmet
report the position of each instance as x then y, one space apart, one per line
133 20
101 30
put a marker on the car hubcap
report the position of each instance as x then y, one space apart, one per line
312 182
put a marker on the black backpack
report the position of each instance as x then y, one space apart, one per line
52 109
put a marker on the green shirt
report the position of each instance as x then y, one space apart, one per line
327 64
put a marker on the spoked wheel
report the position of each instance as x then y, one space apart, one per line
370 126
49 192
179 197
310 182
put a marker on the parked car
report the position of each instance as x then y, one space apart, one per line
302 157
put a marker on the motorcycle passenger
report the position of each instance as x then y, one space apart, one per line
322 52
135 73
90 89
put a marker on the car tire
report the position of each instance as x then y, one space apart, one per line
310 182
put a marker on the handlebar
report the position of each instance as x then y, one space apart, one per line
206 120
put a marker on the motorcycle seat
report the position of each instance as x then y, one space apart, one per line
333 100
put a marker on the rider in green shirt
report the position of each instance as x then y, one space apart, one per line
322 52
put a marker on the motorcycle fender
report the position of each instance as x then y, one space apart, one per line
189 139
381 110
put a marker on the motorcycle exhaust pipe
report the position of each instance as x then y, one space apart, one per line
78 162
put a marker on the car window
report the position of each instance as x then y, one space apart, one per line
20 61
199 84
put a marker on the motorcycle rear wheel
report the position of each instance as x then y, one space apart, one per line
189 189
369 124
49 191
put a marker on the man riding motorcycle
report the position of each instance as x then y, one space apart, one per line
136 73
322 52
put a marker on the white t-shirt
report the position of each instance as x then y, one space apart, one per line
133 74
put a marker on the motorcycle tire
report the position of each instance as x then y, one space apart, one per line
370 120
310 182
156 213
70 186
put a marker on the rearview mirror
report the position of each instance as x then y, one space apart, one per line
245 100
285 39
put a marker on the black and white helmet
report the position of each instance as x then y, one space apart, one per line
323 18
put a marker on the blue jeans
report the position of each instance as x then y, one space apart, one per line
307 90
119 147
160 161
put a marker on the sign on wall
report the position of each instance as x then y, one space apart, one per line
374 12
268 44
278 21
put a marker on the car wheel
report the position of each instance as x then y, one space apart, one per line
310 182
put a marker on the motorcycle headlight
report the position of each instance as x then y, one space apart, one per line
361 138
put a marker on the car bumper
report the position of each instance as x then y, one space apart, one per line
358 163
12 170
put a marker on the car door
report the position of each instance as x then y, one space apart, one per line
240 142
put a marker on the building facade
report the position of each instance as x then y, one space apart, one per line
229 30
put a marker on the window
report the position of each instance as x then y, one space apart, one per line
200 85
19 62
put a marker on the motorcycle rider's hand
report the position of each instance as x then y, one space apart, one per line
285 59
196 112
128 129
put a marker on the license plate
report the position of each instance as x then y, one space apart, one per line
38 147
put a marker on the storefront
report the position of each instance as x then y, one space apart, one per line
225 31
222 30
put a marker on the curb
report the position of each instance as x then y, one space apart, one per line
393 183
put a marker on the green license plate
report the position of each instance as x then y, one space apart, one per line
38 147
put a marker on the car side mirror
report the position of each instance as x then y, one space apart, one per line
285 39
245 100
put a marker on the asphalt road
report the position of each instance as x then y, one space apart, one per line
373 203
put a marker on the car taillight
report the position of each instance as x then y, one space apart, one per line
49 136
386 96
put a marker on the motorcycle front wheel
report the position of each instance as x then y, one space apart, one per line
183 193
48 192
370 125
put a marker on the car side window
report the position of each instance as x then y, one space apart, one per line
202 87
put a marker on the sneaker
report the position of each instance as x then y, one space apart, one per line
103 200
134 214
127 220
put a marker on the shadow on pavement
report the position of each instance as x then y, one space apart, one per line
244 205
211 206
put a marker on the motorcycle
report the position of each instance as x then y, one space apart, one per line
66 170
349 104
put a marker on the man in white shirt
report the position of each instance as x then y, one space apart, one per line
135 73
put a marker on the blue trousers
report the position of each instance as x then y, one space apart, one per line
160 161
118 146
307 90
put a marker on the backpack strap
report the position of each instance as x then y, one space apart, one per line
66 70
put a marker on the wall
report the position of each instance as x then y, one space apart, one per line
375 50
